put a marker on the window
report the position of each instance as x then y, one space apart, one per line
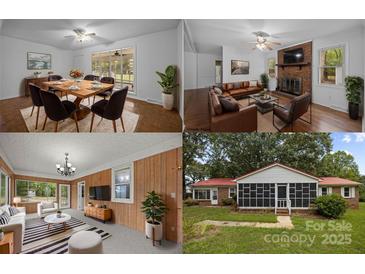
256 195
302 194
31 191
331 70
232 192
122 185
218 72
202 194
4 189
118 64
347 192
324 191
271 67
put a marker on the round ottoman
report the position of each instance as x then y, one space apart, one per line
85 242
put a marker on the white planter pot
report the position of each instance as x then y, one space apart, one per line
168 101
2 235
157 228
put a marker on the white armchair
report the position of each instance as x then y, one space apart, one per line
45 208
16 225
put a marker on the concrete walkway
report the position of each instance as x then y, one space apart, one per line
283 222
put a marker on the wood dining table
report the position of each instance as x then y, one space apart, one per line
85 90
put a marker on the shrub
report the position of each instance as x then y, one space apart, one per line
190 202
227 202
331 206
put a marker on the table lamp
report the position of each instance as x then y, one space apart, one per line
17 200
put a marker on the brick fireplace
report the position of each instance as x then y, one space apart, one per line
295 79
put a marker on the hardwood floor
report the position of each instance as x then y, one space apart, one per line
152 118
324 119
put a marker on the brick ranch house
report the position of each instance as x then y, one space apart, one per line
275 187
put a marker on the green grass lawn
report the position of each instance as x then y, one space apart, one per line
304 238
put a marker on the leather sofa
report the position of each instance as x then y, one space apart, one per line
243 120
241 89
16 225
43 210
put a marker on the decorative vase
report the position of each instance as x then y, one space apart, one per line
354 111
167 101
153 228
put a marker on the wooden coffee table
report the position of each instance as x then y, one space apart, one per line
53 219
263 105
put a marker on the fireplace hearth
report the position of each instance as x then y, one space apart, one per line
291 85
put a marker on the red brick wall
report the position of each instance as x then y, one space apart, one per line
294 71
223 193
352 202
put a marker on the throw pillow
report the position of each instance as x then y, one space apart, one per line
47 205
236 85
229 104
4 218
218 91
229 86
13 211
253 83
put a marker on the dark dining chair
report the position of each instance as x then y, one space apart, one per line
55 77
91 77
111 109
293 111
57 110
36 100
104 94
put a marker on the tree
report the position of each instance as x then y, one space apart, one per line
227 155
340 164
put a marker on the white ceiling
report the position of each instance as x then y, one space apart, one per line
210 35
37 154
52 31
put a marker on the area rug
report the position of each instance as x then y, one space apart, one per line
130 120
264 121
39 240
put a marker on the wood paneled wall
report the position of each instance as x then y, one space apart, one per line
161 173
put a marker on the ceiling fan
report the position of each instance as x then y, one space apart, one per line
262 41
81 35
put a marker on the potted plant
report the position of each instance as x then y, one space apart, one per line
354 86
154 209
168 84
264 81
1 234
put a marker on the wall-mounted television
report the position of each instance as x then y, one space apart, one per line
294 56
101 193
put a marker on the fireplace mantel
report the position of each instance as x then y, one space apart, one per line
299 65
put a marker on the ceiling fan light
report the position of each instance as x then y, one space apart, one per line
62 169
58 166
73 169
69 165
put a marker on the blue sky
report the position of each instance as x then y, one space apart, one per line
353 143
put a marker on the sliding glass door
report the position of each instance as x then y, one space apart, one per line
64 196
4 188
119 64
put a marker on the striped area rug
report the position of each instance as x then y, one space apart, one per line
38 239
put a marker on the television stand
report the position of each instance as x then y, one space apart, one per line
103 214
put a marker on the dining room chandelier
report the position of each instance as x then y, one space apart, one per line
67 169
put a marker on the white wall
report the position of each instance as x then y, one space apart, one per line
334 97
14 64
200 69
190 70
256 59
153 52
180 63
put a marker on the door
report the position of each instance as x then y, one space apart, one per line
80 195
282 195
214 195
64 196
